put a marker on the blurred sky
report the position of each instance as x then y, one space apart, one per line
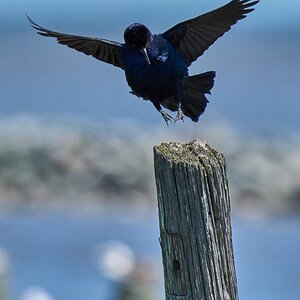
271 15
257 62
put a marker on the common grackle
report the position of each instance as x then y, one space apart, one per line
156 65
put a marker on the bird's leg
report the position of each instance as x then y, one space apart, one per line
164 114
179 95
180 115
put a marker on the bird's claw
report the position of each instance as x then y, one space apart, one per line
179 116
166 117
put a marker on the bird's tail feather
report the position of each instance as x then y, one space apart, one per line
194 101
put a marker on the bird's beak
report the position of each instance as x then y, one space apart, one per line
144 51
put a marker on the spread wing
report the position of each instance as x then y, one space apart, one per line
105 50
192 37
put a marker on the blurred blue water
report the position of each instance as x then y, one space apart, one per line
257 63
57 252
256 87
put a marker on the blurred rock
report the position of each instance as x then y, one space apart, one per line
35 293
66 164
141 283
115 260
4 270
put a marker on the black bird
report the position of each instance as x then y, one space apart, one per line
156 65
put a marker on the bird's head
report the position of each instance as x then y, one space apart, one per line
138 36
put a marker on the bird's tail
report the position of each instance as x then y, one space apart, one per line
194 101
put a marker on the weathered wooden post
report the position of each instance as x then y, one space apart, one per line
194 217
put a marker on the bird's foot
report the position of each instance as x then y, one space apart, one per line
179 116
166 117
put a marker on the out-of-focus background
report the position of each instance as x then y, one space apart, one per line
77 196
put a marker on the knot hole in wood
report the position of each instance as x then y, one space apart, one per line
176 265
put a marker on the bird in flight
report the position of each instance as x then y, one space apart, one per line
156 65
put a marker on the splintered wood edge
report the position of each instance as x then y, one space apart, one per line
195 153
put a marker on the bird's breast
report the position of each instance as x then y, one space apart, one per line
157 80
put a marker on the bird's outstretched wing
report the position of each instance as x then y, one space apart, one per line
105 50
192 37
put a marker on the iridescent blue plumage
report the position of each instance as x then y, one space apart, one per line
159 80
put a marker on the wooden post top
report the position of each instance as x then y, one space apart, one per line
192 153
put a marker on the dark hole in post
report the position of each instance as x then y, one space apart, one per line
176 265
209 213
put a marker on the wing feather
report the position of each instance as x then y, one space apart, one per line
192 37
104 50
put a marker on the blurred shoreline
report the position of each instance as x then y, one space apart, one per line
80 165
